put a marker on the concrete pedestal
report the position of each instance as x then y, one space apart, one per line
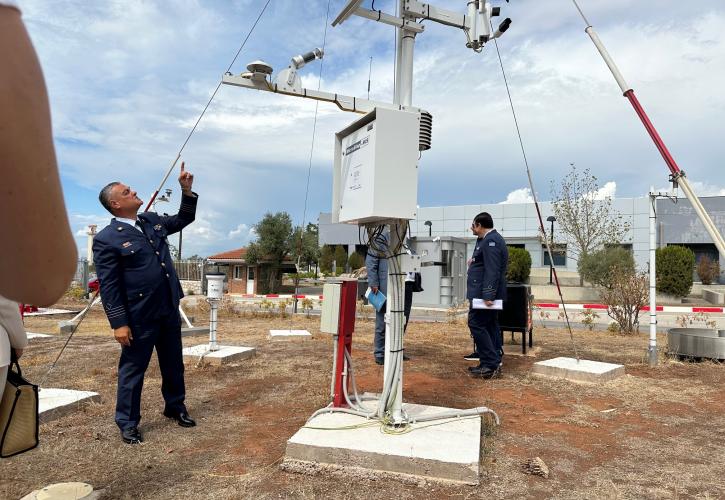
578 371
32 335
448 450
64 491
56 403
289 335
224 355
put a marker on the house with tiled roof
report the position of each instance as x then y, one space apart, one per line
242 277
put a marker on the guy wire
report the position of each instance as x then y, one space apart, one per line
536 202
193 129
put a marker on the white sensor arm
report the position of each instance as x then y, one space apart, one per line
344 102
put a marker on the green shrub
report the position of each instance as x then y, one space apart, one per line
596 267
519 267
674 270
340 258
327 256
355 261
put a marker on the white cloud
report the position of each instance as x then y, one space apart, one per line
609 190
128 79
522 195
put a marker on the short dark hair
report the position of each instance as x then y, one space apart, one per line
105 195
484 219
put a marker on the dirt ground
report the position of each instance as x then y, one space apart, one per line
656 433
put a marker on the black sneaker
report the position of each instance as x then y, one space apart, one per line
379 361
472 357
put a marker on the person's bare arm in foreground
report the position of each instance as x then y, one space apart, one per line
38 253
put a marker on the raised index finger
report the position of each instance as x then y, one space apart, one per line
182 167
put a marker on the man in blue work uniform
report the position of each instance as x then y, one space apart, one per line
141 293
376 265
487 281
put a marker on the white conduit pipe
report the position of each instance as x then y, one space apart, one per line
481 410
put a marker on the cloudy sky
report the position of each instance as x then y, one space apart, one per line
127 80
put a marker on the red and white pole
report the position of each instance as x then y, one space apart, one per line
677 174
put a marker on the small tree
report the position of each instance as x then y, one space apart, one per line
340 259
355 261
708 270
674 270
305 246
519 265
625 297
327 257
273 244
598 267
585 215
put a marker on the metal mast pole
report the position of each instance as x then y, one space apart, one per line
396 283
652 350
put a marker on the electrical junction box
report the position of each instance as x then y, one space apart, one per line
330 316
375 176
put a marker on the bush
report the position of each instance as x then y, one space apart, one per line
674 270
340 259
327 256
708 270
596 267
625 297
519 266
355 261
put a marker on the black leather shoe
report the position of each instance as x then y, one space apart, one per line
182 418
379 361
485 372
132 436
406 357
472 357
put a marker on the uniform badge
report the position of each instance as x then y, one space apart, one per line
492 243
157 227
127 244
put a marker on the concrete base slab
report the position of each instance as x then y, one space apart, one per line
64 491
195 330
56 403
66 327
32 335
224 355
578 371
289 335
531 352
447 451
50 312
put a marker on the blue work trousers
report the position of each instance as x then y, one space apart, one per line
380 320
486 333
165 335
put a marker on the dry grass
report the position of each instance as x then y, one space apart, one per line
656 433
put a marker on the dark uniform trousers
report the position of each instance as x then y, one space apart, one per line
140 289
486 333
163 333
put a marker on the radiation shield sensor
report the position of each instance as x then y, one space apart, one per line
375 177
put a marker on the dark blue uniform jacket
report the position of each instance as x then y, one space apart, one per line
487 271
133 267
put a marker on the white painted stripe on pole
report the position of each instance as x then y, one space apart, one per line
607 59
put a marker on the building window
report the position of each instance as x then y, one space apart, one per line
250 273
238 272
559 255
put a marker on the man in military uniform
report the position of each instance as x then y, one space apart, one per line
487 281
141 293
